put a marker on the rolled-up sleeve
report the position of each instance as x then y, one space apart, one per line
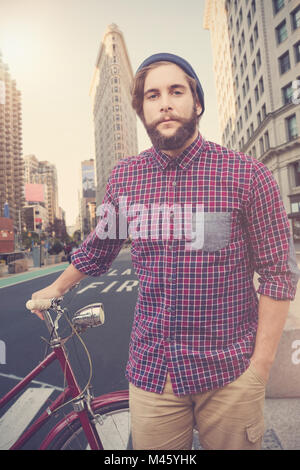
96 254
271 245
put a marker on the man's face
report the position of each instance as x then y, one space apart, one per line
170 111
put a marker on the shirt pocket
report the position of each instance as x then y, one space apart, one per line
217 230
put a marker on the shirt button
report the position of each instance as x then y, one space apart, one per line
174 183
168 339
170 279
169 309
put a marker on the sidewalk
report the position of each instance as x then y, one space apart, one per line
32 273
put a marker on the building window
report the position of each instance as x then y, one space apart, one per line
295 17
259 118
254 69
296 166
255 32
284 62
291 127
258 59
264 111
254 151
251 44
256 93
277 5
253 6
261 85
267 140
297 52
261 146
249 19
281 32
249 107
287 93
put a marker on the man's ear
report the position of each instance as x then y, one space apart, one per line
198 108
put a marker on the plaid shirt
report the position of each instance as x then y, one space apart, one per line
197 309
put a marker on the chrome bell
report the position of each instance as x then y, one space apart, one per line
90 316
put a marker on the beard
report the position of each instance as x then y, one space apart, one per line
179 138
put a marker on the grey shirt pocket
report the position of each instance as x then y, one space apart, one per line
217 230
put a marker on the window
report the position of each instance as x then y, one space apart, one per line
249 19
287 93
261 146
254 68
258 59
277 5
258 118
291 127
251 44
254 151
267 140
281 32
253 6
246 113
261 85
249 107
264 111
297 52
256 93
255 32
296 166
295 17
284 62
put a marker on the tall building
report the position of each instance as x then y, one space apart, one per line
43 172
87 197
115 125
11 163
261 59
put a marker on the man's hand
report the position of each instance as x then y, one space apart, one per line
63 283
50 292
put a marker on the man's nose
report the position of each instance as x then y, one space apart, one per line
165 104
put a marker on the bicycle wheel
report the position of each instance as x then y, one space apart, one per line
112 424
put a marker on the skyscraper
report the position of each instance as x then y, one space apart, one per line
11 163
115 126
43 172
260 56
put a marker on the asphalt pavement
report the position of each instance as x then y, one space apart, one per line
282 415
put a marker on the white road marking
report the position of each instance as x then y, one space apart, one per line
37 382
14 422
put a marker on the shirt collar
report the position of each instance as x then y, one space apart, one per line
183 160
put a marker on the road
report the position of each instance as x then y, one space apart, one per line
21 332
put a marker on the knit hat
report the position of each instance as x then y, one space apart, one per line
175 59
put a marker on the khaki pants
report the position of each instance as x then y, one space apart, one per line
229 418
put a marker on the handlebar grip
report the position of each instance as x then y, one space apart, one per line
38 304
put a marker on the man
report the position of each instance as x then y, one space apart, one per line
202 344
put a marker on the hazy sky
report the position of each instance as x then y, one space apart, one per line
51 47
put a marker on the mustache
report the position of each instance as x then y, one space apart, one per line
163 119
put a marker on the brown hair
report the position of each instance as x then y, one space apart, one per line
139 84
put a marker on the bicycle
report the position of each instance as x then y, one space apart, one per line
96 423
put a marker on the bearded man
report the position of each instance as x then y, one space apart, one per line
202 342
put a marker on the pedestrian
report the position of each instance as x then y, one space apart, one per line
202 341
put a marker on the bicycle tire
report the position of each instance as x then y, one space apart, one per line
113 427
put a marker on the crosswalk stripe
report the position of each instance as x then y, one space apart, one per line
14 422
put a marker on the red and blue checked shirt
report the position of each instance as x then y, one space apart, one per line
197 309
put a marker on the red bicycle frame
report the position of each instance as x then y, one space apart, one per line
72 391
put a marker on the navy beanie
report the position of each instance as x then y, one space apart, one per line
175 59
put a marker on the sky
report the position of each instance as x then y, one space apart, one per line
51 48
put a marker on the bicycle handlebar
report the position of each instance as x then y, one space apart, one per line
38 304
